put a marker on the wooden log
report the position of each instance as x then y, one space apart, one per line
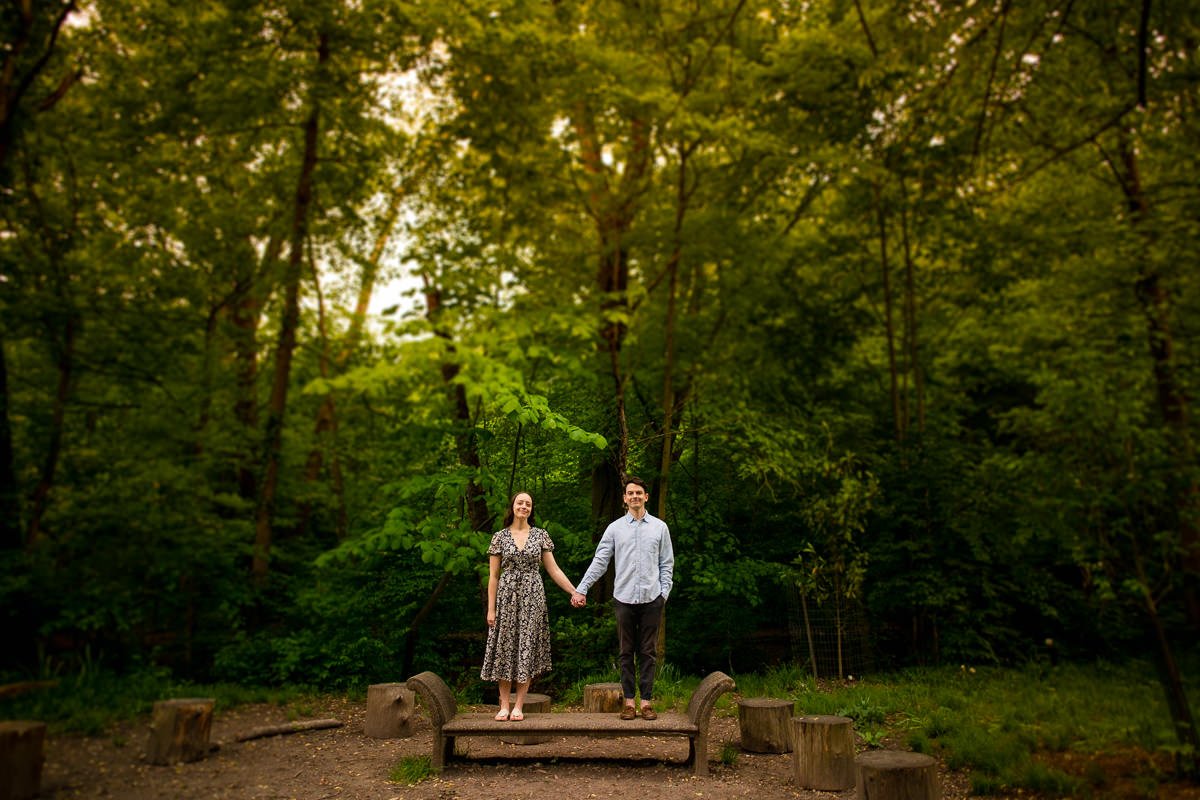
765 724
896 775
390 708
288 727
603 697
823 752
534 704
179 730
22 753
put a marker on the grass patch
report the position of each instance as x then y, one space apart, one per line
990 721
411 770
94 700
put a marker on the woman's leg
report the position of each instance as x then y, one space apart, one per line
505 688
522 689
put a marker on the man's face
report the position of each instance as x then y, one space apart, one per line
635 497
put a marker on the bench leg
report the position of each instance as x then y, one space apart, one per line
442 748
698 754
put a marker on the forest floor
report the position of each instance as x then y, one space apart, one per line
343 763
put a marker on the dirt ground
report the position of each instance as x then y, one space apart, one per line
345 763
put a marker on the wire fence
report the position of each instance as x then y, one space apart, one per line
832 635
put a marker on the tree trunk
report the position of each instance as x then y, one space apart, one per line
911 338
14 85
889 327
410 639
765 724
464 436
41 492
287 337
613 211
823 752
325 426
179 731
22 754
10 503
244 315
1172 402
896 775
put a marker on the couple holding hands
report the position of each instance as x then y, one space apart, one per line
638 545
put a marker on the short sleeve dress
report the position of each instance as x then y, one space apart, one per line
518 645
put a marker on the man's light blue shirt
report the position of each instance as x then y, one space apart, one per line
644 559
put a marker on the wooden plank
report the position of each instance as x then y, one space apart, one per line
571 724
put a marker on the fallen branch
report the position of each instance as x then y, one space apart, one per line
291 727
21 687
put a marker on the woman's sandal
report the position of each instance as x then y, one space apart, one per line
501 715
516 716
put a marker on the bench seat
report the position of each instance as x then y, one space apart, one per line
448 723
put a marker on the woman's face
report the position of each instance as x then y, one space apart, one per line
522 506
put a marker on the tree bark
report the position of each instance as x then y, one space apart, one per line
613 211
10 498
179 731
1173 408
325 425
245 313
765 724
14 83
40 498
264 515
911 338
889 327
1155 302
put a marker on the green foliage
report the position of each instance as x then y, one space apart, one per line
411 770
915 302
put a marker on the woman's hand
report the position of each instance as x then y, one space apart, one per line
491 618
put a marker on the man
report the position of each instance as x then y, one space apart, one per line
639 545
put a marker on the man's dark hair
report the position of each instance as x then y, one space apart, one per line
634 479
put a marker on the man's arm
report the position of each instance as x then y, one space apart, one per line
599 565
666 563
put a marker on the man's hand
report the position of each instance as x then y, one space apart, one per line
578 600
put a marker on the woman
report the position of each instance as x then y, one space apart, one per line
518 644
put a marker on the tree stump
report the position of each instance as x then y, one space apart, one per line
535 704
823 752
179 730
603 697
22 744
390 708
765 724
896 775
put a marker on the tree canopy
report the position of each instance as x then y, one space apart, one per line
893 303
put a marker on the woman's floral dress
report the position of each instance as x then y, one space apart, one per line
518 645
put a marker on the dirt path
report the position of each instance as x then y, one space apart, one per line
345 763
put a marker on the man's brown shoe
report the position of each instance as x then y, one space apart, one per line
628 712
648 713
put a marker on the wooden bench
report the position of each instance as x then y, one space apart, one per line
449 724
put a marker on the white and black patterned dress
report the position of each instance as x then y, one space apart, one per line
518 645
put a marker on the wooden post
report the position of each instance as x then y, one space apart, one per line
22 745
603 697
823 752
390 708
179 730
896 775
766 724
534 704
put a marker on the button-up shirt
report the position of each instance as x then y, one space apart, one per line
644 559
